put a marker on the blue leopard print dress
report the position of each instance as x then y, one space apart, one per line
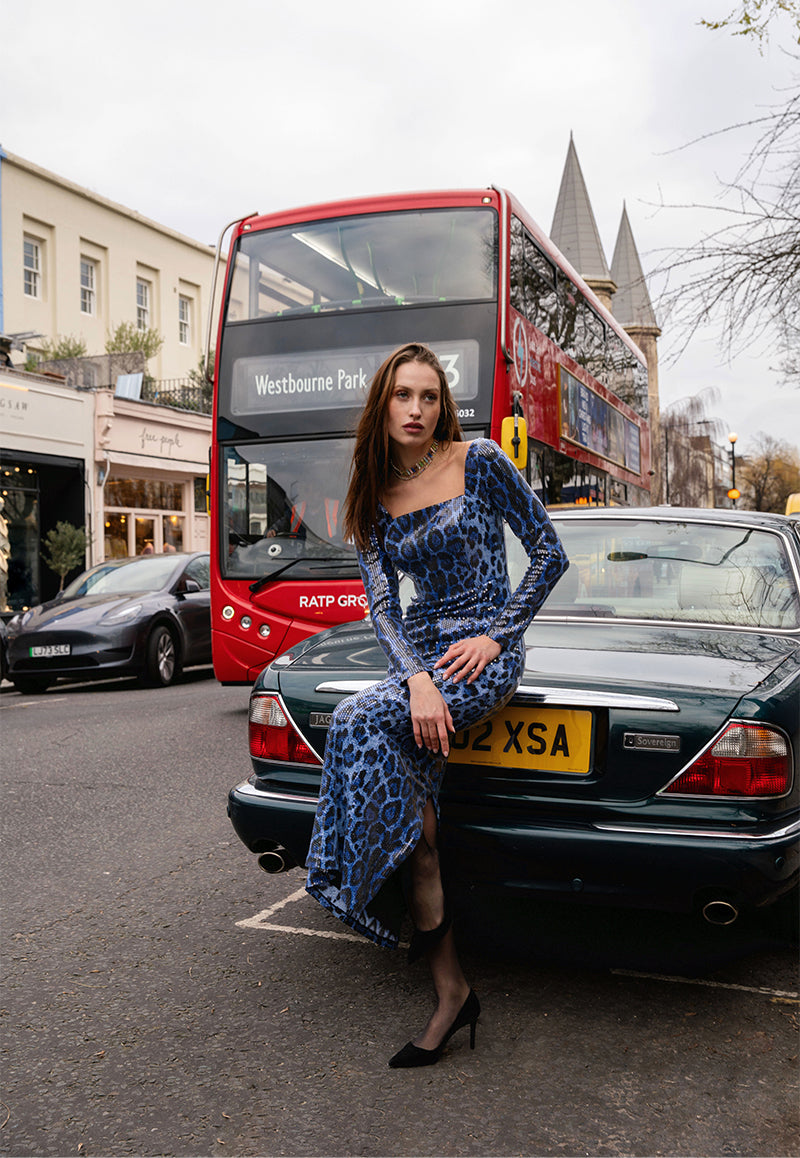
375 781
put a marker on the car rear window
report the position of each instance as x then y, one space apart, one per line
673 570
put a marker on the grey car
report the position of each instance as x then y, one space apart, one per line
149 616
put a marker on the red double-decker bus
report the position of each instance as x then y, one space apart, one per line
314 300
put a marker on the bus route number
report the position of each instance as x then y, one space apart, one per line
468 413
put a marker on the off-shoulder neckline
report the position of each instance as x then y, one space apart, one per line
444 502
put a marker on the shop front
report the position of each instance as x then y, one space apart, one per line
46 444
151 468
130 473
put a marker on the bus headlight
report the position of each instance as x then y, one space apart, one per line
264 630
245 622
228 612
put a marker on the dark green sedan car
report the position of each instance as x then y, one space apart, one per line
650 756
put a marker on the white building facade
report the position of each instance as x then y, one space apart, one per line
76 264
133 473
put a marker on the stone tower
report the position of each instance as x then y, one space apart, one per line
633 308
574 230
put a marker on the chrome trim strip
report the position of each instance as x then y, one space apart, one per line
593 699
277 696
248 789
346 686
541 695
693 624
790 829
218 254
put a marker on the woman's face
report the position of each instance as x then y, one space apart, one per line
414 406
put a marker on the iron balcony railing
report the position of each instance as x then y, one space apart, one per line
182 393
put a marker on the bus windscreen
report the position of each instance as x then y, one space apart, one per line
375 260
282 510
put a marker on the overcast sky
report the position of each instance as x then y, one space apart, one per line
194 113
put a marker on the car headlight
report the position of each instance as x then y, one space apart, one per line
128 612
18 621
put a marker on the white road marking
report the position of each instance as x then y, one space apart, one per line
762 990
262 921
40 703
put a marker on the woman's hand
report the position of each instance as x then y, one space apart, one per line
430 714
468 658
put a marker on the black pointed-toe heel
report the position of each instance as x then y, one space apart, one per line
423 940
411 1056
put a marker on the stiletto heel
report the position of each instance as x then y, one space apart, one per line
412 1055
423 940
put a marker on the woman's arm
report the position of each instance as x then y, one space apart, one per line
504 488
381 585
430 715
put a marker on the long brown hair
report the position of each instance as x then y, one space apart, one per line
369 471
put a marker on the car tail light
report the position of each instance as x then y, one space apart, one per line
747 760
273 736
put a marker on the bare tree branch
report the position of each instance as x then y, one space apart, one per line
753 17
745 274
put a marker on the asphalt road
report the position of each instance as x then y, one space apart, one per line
162 996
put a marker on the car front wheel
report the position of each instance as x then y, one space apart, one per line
162 666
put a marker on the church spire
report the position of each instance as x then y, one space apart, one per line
632 305
574 229
634 310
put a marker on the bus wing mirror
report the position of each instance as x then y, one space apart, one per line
514 439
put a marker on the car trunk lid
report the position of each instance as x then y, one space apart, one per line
645 700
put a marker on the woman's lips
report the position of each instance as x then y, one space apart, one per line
413 427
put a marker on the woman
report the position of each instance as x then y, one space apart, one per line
424 502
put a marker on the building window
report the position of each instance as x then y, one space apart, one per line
33 268
142 304
143 517
149 494
201 484
184 320
88 286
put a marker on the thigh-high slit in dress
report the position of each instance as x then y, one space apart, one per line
375 780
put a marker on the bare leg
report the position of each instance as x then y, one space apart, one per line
427 904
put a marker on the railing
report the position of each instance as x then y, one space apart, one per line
182 393
100 372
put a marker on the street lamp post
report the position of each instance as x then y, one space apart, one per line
733 494
666 461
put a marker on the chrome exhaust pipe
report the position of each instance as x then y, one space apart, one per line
720 912
276 861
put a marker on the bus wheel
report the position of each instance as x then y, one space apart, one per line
162 666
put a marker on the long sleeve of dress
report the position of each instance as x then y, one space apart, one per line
381 585
508 492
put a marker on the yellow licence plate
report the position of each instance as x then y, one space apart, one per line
535 739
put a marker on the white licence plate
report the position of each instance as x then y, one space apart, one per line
46 650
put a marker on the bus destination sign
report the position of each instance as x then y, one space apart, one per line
330 379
